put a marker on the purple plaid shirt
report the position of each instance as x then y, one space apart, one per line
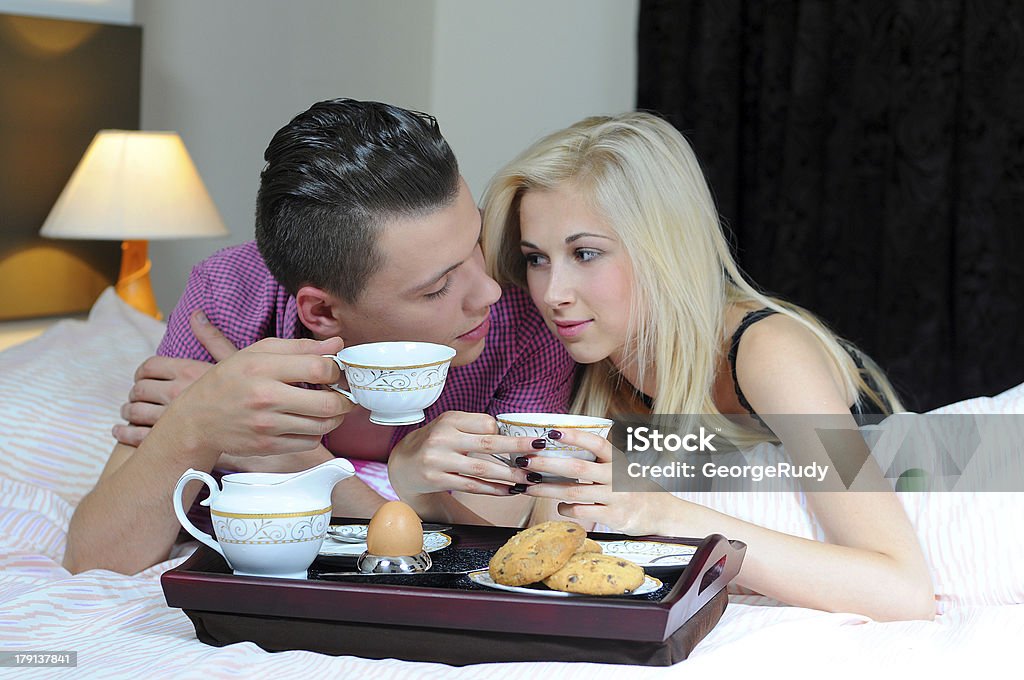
523 368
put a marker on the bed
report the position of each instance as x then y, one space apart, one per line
60 393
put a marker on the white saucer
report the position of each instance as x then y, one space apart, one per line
482 577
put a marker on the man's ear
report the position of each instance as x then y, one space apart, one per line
319 311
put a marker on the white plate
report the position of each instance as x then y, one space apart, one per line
483 578
650 553
431 543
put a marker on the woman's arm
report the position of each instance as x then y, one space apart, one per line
872 563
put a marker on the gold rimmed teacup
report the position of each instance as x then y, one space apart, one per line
395 381
538 425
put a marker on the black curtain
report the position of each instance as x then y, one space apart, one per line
868 158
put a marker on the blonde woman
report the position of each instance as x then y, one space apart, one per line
611 227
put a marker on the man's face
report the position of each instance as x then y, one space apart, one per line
432 286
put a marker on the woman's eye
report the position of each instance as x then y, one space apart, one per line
586 254
534 259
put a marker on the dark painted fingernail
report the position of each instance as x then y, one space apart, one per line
555 434
518 488
539 443
522 461
534 477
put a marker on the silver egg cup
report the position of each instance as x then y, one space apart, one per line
384 564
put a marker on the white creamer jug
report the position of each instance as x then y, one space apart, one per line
267 524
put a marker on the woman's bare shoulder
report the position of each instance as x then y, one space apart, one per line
784 367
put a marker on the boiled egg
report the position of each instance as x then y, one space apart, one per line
394 531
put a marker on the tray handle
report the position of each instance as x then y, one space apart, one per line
715 563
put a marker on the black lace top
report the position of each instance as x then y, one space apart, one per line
862 406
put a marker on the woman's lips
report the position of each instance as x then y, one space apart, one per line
570 329
478 333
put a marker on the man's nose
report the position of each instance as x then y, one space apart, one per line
484 290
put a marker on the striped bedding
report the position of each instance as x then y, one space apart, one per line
60 393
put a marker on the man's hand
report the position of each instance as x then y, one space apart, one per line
159 381
251 401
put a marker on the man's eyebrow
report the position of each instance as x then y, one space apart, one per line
568 239
440 276
437 278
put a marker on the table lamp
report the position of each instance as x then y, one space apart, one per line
134 187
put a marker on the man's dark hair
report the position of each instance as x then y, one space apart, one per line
334 174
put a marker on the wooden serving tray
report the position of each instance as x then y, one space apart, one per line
456 624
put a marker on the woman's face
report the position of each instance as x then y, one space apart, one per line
580 277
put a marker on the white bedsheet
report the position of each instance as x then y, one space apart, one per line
121 627
54 437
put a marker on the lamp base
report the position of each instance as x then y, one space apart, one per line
133 284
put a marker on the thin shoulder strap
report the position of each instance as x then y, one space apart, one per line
749 319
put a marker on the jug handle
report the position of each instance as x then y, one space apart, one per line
209 481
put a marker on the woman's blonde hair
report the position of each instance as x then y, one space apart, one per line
640 174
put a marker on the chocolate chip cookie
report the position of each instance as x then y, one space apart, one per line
535 553
596 574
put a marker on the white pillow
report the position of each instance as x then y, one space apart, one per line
61 393
973 539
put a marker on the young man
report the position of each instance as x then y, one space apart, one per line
365 232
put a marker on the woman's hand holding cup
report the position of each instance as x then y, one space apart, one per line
435 458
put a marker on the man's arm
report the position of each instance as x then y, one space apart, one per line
190 346
133 484
159 380
125 523
246 403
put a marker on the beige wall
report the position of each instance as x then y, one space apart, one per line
226 74
497 73
506 73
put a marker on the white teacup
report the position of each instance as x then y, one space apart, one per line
394 381
537 425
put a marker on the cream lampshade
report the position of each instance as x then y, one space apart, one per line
133 187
